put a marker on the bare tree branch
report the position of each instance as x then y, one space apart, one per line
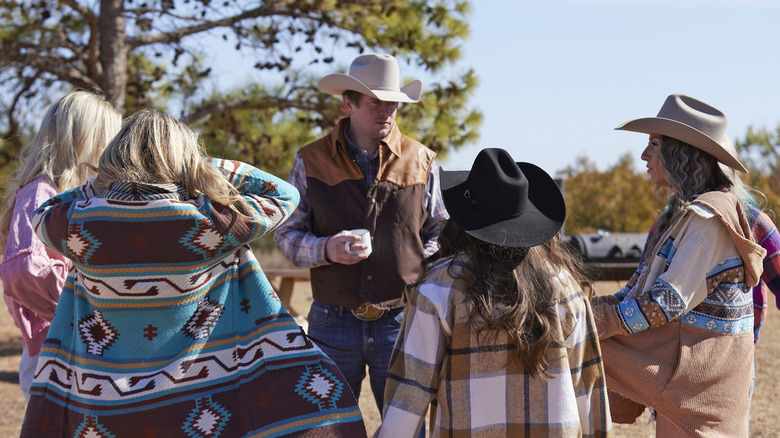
85 12
55 66
227 106
138 59
263 11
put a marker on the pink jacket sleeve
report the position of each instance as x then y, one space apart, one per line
32 274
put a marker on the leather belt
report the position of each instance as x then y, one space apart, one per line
367 312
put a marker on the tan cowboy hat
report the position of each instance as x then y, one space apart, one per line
694 122
374 75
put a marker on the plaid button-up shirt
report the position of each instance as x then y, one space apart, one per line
477 389
766 234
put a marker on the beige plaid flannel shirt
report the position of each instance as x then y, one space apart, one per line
477 391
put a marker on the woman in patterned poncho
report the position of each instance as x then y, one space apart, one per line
167 326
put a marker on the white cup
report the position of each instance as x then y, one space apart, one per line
365 239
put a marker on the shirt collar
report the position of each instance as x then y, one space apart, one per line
354 150
392 141
140 191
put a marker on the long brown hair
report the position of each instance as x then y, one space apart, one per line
511 290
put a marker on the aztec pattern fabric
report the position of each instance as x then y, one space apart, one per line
693 367
167 326
474 387
726 304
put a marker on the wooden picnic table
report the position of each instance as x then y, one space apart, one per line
612 271
287 276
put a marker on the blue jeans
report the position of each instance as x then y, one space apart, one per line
353 344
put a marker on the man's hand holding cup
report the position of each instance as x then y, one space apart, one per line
349 246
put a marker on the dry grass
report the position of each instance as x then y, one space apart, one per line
12 402
763 422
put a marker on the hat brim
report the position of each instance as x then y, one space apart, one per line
337 83
681 131
542 219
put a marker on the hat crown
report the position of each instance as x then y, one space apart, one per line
693 122
502 202
698 115
375 75
378 72
495 172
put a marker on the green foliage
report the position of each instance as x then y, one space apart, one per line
760 151
623 200
619 199
442 130
263 136
50 46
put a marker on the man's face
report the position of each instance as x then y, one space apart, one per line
372 119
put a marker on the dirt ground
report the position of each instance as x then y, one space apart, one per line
763 420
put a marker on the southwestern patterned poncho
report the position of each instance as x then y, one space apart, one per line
168 327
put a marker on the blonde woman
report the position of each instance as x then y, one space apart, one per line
167 326
73 134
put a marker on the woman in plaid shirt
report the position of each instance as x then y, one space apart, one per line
497 336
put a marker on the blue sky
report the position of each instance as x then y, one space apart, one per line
556 77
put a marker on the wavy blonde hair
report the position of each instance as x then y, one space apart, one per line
153 147
72 135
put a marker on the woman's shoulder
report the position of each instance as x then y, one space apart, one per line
716 203
441 267
713 213
40 188
701 225
566 290
439 281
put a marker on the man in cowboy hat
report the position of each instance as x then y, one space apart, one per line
363 174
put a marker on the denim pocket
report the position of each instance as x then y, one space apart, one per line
320 315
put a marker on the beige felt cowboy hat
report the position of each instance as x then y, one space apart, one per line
374 75
694 122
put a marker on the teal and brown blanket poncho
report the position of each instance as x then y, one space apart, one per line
168 327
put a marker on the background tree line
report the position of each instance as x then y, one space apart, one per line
622 199
156 53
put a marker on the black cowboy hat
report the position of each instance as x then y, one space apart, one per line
503 202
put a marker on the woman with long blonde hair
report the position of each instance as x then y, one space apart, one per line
167 325
73 134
